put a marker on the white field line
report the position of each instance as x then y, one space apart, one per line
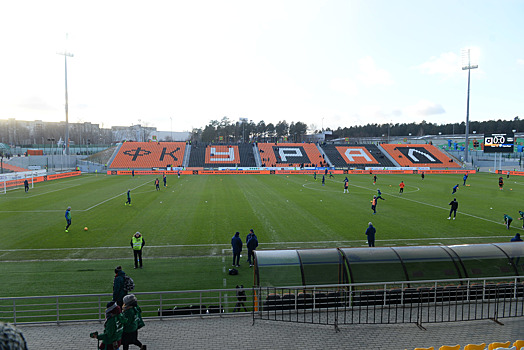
118 195
47 184
77 210
425 203
298 244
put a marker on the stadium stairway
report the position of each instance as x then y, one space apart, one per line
117 149
324 155
388 156
187 153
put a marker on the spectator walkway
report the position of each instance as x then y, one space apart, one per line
237 332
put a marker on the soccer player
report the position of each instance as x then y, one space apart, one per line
178 173
68 218
501 183
374 179
157 184
401 185
507 175
323 180
422 175
315 175
455 188
26 186
454 206
521 213
331 174
346 185
164 178
374 205
507 220
379 195
128 198
465 178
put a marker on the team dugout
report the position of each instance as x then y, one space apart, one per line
307 267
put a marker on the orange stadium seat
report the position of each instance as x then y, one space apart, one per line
419 155
475 346
496 345
448 347
270 151
519 344
147 155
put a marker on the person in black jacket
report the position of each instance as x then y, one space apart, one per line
251 244
119 291
370 232
454 206
236 244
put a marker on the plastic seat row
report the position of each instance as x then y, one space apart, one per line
517 345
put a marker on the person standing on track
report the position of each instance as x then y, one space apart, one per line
370 232
137 243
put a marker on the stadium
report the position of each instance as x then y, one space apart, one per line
213 190
277 175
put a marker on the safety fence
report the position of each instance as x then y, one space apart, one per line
154 305
400 302
364 303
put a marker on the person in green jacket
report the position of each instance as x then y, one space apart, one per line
507 220
113 328
132 323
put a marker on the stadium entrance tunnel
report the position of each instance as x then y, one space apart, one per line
309 267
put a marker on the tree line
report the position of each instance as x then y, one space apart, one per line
225 130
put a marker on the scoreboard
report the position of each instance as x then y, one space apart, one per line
499 143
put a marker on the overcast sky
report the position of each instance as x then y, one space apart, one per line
327 63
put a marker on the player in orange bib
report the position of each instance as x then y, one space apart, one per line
401 185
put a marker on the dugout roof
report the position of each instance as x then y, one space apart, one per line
279 268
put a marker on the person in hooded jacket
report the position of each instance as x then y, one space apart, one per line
113 328
251 244
132 321
236 244
119 291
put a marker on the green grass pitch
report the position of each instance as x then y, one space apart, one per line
188 225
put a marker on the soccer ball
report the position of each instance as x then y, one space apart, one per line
85 228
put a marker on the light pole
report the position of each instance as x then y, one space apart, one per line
66 55
466 65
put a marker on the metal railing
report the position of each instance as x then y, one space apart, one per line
154 305
361 303
396 302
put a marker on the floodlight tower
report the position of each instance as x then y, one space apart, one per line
66 55
466 65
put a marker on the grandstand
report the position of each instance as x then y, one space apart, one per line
419 155
147 155
357 156
211 156
291 155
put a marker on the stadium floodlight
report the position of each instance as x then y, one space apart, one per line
66 55
469 62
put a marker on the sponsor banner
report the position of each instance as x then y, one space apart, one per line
20 182
293 171
398 168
